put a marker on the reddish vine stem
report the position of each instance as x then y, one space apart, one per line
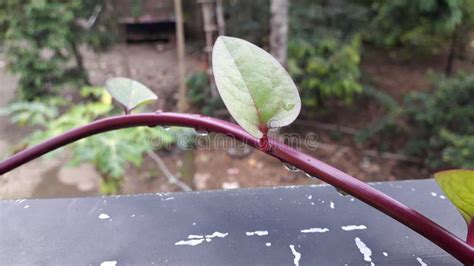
411 218
470 234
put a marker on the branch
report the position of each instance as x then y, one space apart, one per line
411 218
171 178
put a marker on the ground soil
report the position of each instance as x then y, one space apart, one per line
154 65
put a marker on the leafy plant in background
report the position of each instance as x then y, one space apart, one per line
260 95
110 152
42 39
199 94
438 124
441 122
325 69
324 50
252 21
423 26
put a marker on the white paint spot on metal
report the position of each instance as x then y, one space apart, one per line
364 250
133 215
268 244
195 236
296 254
310 196
442 197
109 263
257 233
385 254
20 200
170 198
217 234
103 216
353 227
422 263
194 223
312 203
315 230
191 242
26 206
413 189
331 205
434 194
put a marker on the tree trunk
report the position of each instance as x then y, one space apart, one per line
182 98
279 30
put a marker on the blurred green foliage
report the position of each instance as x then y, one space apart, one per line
441 122
109 152
325 69
199 93
438 125
249 20
418 26
42 40
324 50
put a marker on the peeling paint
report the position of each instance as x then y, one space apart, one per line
315 230
258 233
109 263
195 236
422 263
103 216
353 227
296 254
364 250
217 234
191 242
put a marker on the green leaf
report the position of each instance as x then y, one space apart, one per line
256 89
458 185
129 93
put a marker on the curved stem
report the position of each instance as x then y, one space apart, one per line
470 234
411 218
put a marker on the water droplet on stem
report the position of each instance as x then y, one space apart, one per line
341 192
310 176
291 167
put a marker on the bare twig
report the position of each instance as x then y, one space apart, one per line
171 178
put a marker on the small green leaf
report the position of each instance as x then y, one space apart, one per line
458 185
256 89
129 93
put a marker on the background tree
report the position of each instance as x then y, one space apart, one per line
42 40
279 30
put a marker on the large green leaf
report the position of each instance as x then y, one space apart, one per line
129 93
458 185
256 89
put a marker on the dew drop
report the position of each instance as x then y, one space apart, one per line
288 106
290 167
166 128
341 192
310 176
